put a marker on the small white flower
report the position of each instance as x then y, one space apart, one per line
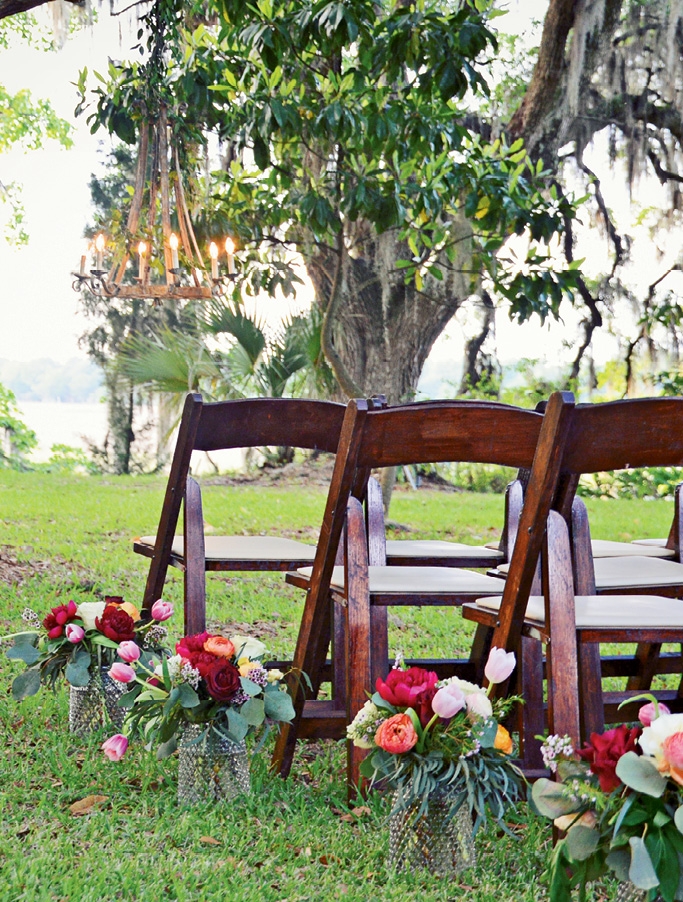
173 664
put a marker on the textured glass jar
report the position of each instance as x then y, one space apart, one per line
433 841
212 768
628 892
95 704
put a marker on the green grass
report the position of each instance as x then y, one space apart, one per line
289 840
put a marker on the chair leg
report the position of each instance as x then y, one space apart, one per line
532 715
359 638
591 707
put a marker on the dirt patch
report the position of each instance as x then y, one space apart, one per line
315 471
16 567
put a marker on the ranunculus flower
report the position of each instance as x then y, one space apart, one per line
122 673
648 713
116 624
604 751
448 701
74 633
396 734
115 747
58 617
219 646
412 688
222 680
503 741
500 665
129 651
663 740
247 647
161 610
89 611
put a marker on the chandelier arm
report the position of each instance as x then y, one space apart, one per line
165 199
184 213
138 196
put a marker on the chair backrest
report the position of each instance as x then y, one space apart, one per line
476 431
615 435
256 422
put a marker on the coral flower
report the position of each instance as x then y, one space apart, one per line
396 734
219 646
503 741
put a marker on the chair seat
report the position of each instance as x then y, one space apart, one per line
244 548
635 571
607 611
417 581
447 551
642 548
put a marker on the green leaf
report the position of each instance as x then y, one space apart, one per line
582 842
619 861
641 774
167 748
641 871
254 712
24 651
238 726
249 686
551 800
678 818
77 670
278 705
187 696
26 684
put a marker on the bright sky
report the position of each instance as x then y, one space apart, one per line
38 308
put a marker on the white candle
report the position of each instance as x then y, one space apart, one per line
142 250
230 250
99 247
173 241
213 253
82 272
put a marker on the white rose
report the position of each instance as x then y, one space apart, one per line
89 611
275 675
654 736
247 647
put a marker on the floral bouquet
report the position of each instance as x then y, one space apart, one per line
620 802
205 699
77 640
432 738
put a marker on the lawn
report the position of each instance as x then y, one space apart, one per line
67 537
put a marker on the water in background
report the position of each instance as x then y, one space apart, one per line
63 424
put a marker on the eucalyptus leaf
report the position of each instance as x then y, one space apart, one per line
278 705
582 841
678 818
167 748
641 774
238 726
26 684
487 736
619 861
641 872
249 686
77 672
254 712
187 696
24 651
551 800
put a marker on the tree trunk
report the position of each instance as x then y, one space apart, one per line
382 329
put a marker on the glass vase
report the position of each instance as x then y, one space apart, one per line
628 892
92 705
211 767
433 841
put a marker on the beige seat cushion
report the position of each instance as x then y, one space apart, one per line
420 580
434 547
631 572
609 611
245 548
661 543
605 548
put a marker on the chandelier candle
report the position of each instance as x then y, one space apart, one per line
173 241
99 247
142 251
213 253
230 250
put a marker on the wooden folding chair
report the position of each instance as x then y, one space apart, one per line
365 586
570 618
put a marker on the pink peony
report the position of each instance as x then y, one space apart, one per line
122 673
499 665
649 712
161 610
74 633
412 688
115 747
448 701
129 651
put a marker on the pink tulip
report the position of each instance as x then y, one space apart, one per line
115 747
499 665
129 651
162 610
74 633
649 712
122 673
448 701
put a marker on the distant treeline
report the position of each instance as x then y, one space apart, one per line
76 381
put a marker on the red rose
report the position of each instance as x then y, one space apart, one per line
412 688
203 661
58 618
190 644
604 751
116 624
222 680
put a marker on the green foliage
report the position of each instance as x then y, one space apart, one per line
17 439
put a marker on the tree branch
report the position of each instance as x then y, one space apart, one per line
13 7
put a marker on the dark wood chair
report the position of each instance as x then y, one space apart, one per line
365 586
569 618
